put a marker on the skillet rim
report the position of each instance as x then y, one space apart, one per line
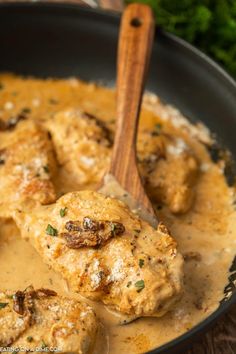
105 15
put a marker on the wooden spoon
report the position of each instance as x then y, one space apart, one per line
135 42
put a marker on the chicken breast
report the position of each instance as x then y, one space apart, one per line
40 319
169 169
106 253
27 165
82 144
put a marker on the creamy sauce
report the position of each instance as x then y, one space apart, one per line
208 228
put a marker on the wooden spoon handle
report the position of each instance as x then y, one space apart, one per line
135 44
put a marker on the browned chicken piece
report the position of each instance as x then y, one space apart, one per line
40 319
106 253
170 171
27 164
82 144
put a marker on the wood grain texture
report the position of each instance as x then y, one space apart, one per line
115 5
134 49
221 339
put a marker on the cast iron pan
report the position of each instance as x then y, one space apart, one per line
67 40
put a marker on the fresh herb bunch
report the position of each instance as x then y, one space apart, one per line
208 24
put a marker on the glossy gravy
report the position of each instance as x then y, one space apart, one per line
207 229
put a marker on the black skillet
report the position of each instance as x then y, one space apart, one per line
67 40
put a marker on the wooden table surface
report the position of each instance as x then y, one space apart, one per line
221 339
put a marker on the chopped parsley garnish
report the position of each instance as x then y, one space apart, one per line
30 339
50 230
43 345
158 126
141 263
128 284
46 169
53 101
113 227
63 211
140 285
26 110
157 130
3 305
116 228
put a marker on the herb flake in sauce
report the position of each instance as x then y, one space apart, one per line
140 285
46 169
3 305
50 230
141 263
43 345
30 339
63 211
26 110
